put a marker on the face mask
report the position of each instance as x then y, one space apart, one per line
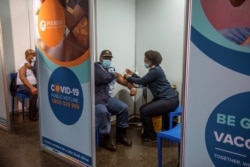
146 65
33 59
106 63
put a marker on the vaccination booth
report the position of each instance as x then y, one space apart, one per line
205 53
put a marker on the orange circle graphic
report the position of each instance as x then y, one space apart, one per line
51 23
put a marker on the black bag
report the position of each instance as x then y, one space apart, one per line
13 86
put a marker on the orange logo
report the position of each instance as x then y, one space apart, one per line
51 23
57 88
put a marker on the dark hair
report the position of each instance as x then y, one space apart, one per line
29 52
153 56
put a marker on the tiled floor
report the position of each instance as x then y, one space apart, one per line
21 148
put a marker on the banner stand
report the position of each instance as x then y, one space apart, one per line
65 46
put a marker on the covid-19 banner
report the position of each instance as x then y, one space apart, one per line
217 117
63 59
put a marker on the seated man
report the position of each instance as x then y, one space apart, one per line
105 105
27 83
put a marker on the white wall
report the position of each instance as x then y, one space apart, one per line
22 28
160 26
116 32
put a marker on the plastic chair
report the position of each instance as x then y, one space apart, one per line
173 135
20 95
171 115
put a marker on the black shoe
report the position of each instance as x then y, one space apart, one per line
143 135
149 140
111 147
33 118
122 138
108 143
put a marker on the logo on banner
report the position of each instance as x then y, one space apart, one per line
228 132
42 25
65 96
51 26
63 28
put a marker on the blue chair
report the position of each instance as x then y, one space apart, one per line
173 135
171 115
20 95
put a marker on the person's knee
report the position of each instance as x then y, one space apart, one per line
125 107
99 115
101 112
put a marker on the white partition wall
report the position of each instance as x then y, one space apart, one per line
22 15
4 122
7 54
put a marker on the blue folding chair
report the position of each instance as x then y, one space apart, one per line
173 135
20 95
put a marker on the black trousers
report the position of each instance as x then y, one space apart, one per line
156 108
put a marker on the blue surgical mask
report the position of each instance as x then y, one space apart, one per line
106 63
146 65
